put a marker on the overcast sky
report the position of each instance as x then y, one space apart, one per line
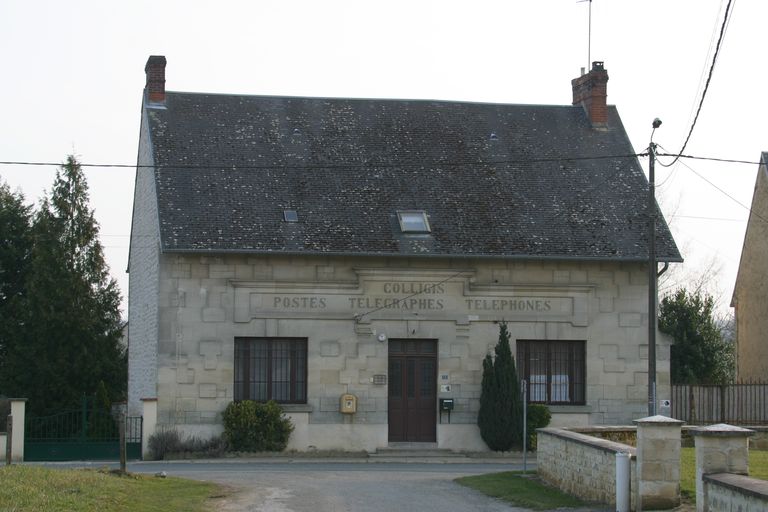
73 74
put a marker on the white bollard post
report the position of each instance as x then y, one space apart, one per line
149 424
622 482
18 411
524 392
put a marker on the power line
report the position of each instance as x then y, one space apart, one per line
499 162
705 65
60 164
675 216
353 165
750 210
710 159
670 177
706 85
385 165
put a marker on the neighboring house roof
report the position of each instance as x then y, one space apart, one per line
492 178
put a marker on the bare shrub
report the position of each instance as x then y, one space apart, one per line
166 443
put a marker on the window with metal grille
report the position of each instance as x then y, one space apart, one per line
555 371
271 369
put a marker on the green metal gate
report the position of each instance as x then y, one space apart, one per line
84 434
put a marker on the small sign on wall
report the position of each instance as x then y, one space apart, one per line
445 388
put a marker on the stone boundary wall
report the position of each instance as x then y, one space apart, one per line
759 441
727 492
582 465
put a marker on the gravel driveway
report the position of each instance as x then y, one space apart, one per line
368 488
336 487
284 485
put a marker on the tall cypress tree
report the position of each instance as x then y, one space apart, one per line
486 414
72 339
501 413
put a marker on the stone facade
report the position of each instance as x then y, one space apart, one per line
183 354
259 269
143 292
750 296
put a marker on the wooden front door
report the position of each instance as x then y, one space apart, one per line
412 390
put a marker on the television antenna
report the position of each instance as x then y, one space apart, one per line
589 34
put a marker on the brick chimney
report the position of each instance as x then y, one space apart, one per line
155 70
591 92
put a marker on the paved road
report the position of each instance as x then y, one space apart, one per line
319 486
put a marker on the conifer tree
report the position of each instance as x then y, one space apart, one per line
486 414
501 413
15 250
100 421
71 341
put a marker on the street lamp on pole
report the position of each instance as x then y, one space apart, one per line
652 277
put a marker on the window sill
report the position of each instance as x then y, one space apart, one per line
296 407
570 409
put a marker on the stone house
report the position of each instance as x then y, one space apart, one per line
750 295
351 259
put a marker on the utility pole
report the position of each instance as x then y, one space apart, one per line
652 277
121 434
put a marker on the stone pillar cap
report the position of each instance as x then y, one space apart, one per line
658 420
722 430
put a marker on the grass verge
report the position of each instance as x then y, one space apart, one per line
41 489
520 489
758 468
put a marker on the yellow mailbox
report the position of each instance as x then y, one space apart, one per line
348 404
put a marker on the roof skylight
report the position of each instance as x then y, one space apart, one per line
413 221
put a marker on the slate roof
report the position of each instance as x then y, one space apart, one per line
490 177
